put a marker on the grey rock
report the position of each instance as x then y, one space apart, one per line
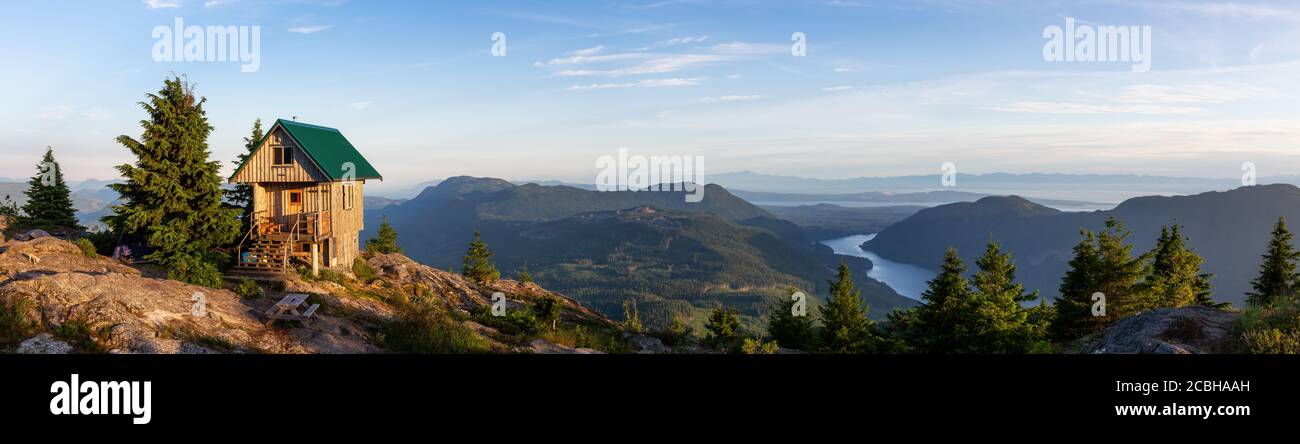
44 344
1184 330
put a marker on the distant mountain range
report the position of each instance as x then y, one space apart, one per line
604 247
877 198
1104 188
91 198
1229 229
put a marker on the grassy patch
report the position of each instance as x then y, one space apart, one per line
15 323
80 335
87 248
424 328
248 289
1270 330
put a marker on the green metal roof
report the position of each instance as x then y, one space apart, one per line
326 147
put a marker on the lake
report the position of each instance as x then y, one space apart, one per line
906 279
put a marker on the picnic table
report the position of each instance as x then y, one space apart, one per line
287 309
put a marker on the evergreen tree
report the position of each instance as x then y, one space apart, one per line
845 327
1102 263
524 275
386 240
1278 279
477 264
548 310
1001 323
788 329
241 196
172 194
723 329
946 318
49 202
1175 278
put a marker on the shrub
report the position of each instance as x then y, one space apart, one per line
1272 341
426 329
15 325
631 317
677 333
87 248
79 333
516 322
758 347
248 289
363 271
192 270
1270 329
548 311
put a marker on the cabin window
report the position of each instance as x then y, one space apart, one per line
349 193
283 155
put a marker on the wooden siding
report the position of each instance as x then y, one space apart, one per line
261 168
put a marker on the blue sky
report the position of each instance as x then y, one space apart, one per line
887 88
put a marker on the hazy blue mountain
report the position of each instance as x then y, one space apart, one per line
1105 188
877 198
1228 228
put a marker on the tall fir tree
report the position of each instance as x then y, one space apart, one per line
1278 279
49 201
477 263
791 329
385 241
241 195
1174 278
845 326
944 321
1103 263
172 194
1002 323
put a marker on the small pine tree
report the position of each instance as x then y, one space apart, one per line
548 310
477 264
524 275
790 329
1278 279
1174 278
723 329
845 326
385 241
172 194
241 195
49 201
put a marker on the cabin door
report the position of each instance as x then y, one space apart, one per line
295 202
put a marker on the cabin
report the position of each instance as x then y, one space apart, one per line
308 200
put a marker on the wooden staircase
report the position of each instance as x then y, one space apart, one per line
267 255
268 250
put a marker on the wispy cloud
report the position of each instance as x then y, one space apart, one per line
359 105
309 29
648 83
747 48
157 4
734 98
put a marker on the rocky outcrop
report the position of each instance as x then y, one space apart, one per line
1184 330
461 294
98 304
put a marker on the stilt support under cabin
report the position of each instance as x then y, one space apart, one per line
315 259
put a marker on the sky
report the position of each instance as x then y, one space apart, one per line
884 88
